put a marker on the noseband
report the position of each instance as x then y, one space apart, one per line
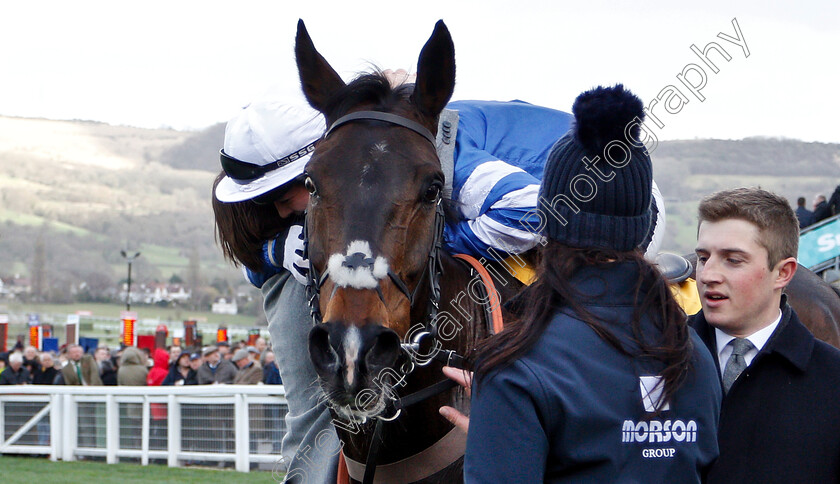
432 271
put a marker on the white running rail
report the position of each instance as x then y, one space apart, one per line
242 424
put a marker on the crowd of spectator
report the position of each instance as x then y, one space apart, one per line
216 364
821 208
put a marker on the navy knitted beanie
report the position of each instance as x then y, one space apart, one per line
596 188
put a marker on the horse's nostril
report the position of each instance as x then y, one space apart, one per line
322 354
384 351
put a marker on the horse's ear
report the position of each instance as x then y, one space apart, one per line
435 73
318 79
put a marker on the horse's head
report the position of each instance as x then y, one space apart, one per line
375 185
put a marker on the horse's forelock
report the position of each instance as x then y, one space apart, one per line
368 89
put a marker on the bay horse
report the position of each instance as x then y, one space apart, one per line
385 295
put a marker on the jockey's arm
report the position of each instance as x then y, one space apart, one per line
284 252
505 220
498 203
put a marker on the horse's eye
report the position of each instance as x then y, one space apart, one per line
310 186
432 194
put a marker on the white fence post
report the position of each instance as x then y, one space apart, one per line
112 429
56 414
68 429
2 421
173 431
144 432
69 426
242 434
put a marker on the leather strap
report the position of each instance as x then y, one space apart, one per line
385 117
446 137
373 453
425 393
419 466
343 476
492 294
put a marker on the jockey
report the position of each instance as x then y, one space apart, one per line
499 156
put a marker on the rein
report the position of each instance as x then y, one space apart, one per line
432 273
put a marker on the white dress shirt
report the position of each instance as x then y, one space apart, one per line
758 339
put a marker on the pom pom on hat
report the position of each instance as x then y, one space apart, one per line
588 198
603 114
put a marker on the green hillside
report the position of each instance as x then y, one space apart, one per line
686 171
84 191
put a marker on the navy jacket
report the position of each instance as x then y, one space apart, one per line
271 374
805 217
780 421
11 377
174 376
571 409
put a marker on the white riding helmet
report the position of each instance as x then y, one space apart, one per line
266 146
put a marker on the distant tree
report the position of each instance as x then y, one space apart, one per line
194 276
176 279
203 297
39 269
224 287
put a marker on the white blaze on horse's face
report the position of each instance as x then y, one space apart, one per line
357 268
352 344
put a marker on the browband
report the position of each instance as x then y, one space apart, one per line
385 117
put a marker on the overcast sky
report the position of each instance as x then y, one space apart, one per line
190 64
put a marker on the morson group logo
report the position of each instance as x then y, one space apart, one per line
659 431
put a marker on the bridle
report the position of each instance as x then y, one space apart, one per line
431 273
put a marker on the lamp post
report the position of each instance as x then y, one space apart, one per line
130 259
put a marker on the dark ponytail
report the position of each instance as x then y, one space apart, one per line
243 227
552 291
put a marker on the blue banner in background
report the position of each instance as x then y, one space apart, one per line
50 344
820 244
89 344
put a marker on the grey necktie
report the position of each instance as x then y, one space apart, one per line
736 363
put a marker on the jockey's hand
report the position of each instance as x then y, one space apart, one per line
287 253
293 259
463 378
400 76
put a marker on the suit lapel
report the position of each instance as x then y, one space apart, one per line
707 334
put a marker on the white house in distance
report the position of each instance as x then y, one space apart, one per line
153 293
221 306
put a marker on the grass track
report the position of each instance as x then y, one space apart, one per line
39 469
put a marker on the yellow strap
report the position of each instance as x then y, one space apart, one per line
525 275
684 292
686 295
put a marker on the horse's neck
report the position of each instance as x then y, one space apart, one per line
464 297
462 305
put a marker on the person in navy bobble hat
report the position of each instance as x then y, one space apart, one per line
596 188
599 379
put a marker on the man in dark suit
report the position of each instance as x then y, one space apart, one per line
80 369
805 216
779 420
821 210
